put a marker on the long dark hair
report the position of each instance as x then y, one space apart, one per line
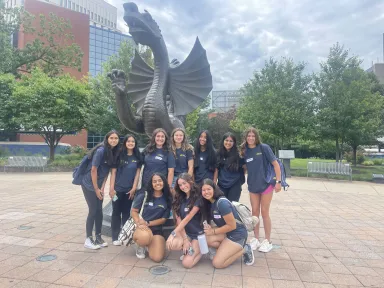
111 155
206 206
209 148
232 155
180 196
151 147
124 150
166 190
244 145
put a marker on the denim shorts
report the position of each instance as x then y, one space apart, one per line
239 240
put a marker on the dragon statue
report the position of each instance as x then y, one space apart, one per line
164 94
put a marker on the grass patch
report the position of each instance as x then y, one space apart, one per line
359 173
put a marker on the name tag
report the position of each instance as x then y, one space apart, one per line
158 158
217 216
201 158
186 209
249 160
150 203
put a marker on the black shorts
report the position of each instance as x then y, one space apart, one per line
156 231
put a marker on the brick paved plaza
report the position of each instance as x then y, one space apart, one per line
327 234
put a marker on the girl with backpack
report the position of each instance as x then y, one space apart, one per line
123 184
230 168
103 157
230 235
183 153
186 207
256 154
157 204
157 158
205 158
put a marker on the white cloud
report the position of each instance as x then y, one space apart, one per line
239 35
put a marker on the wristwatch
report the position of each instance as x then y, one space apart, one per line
173 233
278 181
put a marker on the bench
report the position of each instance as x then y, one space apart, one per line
329 168
26 162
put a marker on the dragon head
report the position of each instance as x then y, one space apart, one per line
142 27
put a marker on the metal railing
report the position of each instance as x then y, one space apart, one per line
26 162
334 168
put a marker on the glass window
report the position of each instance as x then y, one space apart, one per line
92 42
99 32
69 4
109 23
99 44
92 15
98 55
61 3
98 50
92 30
92 61
105 33
77 7
92 36
65 3
98 62
105 57
81 9
92 48
98 18
105 44
99 38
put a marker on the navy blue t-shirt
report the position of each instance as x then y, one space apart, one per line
99 161
182 158
153 210
193 228
202 171
222 207
157 161
228 178
254 161
126 173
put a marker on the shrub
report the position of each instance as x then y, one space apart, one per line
79 150
368 163
359 157
4 152
377 161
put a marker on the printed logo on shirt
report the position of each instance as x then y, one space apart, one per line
134 161
201 158
249 160
259 153
161 206
150 203
186 209
182 155
217 216
158 158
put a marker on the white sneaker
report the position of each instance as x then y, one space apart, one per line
265 246
117 243
255 243
140 252
90 244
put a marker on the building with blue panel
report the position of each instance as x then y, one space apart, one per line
102 44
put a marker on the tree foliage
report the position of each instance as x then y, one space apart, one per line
278 101
51 106
349 109
52 48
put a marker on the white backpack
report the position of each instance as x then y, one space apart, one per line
245 214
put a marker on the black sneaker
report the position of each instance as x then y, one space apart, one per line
100 241
248 256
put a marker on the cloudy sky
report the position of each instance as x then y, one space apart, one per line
239 35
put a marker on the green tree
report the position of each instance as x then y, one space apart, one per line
51 106
366 109
193 118
7 85
278 101
51 50
103 116
336 101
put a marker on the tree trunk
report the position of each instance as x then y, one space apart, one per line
354 155
337 150
51 151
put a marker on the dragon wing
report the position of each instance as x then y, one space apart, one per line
139 82
191 81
